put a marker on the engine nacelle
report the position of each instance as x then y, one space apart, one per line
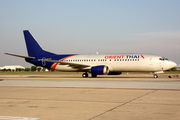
100 70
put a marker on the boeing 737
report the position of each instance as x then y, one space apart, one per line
104 64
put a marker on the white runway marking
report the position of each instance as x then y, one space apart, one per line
16 118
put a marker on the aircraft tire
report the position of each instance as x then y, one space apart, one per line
155 76
94 75
84 75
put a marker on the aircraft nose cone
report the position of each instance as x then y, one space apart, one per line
174 64
169 65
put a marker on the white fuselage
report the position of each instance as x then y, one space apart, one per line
119 62
107 64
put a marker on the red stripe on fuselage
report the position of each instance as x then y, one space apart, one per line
53 67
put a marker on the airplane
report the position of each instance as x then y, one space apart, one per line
97 64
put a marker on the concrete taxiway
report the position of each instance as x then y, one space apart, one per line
75 98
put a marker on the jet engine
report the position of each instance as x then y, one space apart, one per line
100 70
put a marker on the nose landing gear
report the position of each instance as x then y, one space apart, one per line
155 76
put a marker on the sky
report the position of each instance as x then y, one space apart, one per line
90 26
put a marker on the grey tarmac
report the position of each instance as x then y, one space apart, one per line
75 98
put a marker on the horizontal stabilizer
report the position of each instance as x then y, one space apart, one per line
20 56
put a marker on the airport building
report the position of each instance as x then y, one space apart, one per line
178 67
13 67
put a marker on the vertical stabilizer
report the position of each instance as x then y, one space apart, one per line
33 47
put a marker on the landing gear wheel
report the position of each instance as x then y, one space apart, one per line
84 75
155 76
93 75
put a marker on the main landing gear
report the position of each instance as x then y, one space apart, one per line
84 75
94 75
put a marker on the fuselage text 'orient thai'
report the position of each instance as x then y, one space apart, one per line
122 56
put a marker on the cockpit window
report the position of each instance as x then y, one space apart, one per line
163 58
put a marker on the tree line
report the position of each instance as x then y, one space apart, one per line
39 69
32 69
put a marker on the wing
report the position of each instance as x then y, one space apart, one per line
74 65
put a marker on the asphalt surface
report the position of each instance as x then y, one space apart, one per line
135 84
64 97
76 81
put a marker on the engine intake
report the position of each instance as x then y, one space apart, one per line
100 70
